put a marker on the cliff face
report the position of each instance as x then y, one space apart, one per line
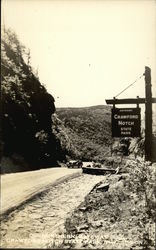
27 107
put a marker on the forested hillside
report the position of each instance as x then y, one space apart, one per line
27 139
34 133
89 130
89 134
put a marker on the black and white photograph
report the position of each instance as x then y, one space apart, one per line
78 124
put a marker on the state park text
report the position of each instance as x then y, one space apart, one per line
126 122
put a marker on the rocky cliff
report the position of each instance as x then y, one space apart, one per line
27 140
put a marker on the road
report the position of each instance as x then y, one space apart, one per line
17 188
39 222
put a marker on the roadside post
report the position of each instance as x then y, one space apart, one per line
126 122
148 115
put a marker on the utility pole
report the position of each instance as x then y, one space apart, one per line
148 115
148 101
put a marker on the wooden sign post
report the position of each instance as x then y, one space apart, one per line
148 115
148 100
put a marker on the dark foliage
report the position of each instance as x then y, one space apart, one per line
26 109
89 131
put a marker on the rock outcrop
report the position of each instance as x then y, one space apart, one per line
26 112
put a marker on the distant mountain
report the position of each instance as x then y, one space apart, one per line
89 131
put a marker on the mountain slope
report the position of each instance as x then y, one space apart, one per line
89 130
27 137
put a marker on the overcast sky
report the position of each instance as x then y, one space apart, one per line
87 51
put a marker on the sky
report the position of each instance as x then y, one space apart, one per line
87 51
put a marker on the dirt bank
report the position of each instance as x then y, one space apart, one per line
116 214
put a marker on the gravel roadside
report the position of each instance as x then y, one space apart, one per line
38 223
17 188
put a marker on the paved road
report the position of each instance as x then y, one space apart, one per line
39 223
16 188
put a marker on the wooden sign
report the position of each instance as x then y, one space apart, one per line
119 127
126 122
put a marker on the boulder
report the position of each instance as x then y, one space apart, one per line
103 187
